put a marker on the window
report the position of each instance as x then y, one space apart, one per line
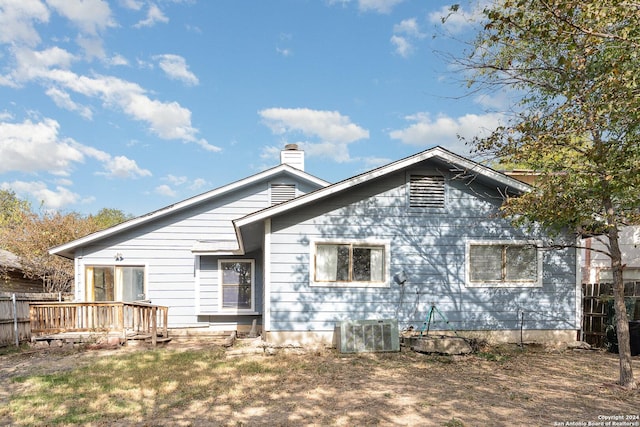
426 191
503 264
350 264
630 274
236 284
110 283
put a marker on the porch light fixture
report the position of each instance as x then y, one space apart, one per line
118 256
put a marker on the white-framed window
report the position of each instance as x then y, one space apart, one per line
237 284
115 283
503 264
358 263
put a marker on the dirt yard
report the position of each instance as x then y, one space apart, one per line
497 387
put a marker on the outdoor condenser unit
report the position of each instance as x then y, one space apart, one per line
356 336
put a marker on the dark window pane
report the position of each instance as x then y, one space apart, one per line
343 263
522 263
362 264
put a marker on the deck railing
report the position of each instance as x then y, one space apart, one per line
111 316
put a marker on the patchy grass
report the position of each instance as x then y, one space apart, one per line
498 386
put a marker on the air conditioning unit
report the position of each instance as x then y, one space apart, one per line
356 336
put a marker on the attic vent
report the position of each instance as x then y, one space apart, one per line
369 336
426 191
282 193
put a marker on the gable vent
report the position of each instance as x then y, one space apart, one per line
369 336
426 191
282 193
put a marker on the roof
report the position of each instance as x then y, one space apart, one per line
457 163
9 260
67 250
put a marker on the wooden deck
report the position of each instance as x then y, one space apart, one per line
125 318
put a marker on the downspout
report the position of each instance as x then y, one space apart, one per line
579 296
266 298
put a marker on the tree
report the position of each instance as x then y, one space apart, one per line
30 235
574 64
107 217
12 208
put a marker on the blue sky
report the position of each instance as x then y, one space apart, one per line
137 104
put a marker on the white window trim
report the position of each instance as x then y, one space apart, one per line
118 286
373 242
226 310
630 274
523 284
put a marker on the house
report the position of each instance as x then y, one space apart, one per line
299 255
597 266
12 277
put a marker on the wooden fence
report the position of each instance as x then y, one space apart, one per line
597 309
14 315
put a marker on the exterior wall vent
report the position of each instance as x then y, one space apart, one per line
358 336
282 193
426 191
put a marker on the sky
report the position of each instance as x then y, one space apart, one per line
138 104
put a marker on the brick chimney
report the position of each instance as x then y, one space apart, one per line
292 156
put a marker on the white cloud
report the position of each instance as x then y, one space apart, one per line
63 100
378 6
165 190
406 33
154 15
330 132
22 146
284 51
327 125
115 167
117 60
197 184
409 27
92 47
122 167
168 120
38 190
445 130
178 181
132 4
460 20
402 46
91 16
175 67
17 20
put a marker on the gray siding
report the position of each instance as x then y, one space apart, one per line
164 247
429 245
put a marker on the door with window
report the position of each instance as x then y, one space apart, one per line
111 283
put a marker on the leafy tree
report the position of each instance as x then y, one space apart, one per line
12 208
107 217
30 235
577 123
